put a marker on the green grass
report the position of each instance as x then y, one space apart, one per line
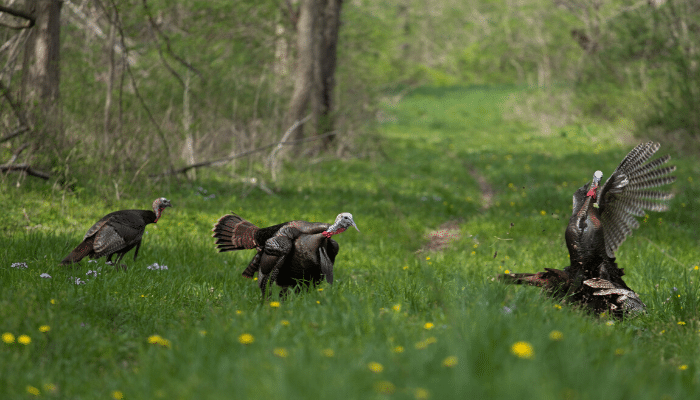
386 295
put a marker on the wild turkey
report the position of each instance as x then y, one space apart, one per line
289 254
117 233
603 216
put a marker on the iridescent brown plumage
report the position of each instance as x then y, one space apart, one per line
288 254
117 233
602 218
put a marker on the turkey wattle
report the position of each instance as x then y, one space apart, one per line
117 233
288 254
602 218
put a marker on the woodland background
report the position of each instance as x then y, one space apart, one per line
138 89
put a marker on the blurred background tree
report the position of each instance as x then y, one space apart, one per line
147 87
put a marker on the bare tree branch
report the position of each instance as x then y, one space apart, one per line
16 154
16 107
273 155
20 14
166 146
245 153
167 46
25 168
17 132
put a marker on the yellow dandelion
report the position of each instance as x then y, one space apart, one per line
157 339
522 350
476 245
24 339
246 338
53 301
154 339
203 332
473 252
32 390
427 258
610 323
318 302
421 394
556 335
8 338
507 271
398 349
284 322
396 307
274 304
328 352
375 367
450 361
44 328
255 279
384 387
683 367
405 267
681 323
280 352
239 312
429 325
696 267
543 212
619 352
50 387
320 289
117 395
557 306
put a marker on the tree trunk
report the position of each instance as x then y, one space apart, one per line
41 74
327 60
303 80
317 41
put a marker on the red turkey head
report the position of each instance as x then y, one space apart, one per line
597 176
159 205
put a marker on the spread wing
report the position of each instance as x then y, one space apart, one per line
625 195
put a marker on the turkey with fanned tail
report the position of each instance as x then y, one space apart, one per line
290 254
602 218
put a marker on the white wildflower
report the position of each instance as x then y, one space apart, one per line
19 265
44 275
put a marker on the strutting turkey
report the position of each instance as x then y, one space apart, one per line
289 254
117 233
603 216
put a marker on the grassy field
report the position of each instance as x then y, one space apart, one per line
404 319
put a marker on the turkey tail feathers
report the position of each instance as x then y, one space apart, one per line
84 249
234 233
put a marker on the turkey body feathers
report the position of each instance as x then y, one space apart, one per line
602 218
116 233
288 254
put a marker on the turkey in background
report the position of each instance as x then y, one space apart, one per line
117 233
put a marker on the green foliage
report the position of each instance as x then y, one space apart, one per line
416 324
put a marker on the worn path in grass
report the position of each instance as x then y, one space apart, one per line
402 319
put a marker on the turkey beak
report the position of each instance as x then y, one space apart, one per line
353 224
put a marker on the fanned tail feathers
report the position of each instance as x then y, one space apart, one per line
84 249
234 233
